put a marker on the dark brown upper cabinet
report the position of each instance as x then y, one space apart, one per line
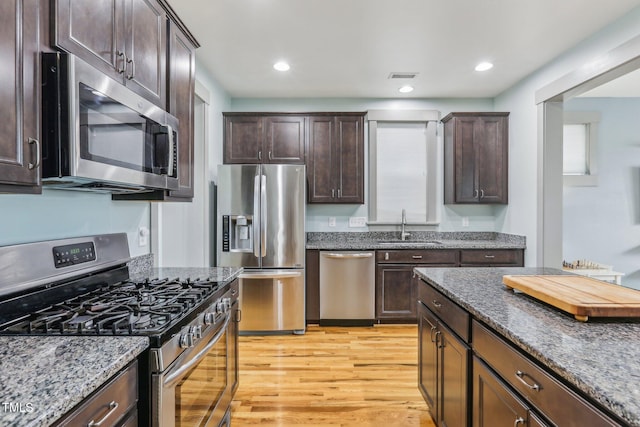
125 39
335 160
261 138
181 103
20 22
476 158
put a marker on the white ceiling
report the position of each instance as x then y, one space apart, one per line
348 48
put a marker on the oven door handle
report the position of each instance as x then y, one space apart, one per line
170 380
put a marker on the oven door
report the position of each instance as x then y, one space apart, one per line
195 389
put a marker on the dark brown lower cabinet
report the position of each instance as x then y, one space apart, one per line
443 370
395 293
494 404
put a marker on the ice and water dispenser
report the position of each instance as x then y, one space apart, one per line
237 233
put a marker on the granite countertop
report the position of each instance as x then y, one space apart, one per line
599 357
220 274
43 378
417 240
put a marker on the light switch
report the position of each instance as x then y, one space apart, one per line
332 221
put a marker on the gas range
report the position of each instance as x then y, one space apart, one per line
82 287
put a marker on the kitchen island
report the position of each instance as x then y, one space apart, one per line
597 359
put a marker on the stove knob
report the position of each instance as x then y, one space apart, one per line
186 340
209 318
196 331
220 307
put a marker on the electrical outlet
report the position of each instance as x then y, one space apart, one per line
332 221
143 236
357 221
465 221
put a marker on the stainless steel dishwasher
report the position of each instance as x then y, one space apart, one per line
347 288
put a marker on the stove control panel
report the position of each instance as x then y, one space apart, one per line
78 253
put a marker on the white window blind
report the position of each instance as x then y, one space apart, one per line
575 146
401 179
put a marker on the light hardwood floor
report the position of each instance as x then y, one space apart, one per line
331 376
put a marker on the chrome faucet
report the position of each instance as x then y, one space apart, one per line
403 233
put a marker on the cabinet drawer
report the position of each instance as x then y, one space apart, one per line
550 397
110 403
408 256
504 257
454 316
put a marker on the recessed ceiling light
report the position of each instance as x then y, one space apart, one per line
406 89
484 66
281 66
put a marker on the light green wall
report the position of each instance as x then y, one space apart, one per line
521 216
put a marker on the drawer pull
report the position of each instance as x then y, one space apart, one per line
436 304
490 256
112 408
520 375
417 257
431 335
519 421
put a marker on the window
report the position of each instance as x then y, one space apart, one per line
579 141
403 166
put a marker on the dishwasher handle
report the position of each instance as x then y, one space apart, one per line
348 256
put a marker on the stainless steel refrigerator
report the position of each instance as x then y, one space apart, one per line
261 220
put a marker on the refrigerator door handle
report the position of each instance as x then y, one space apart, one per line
256 216
263 216
269 274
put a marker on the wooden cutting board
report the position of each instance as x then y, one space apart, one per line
581 296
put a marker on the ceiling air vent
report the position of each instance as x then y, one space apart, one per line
403 75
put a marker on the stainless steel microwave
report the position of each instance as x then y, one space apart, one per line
98 135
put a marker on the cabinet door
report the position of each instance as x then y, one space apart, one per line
181 105
466 180
19 127
243 138
395 292
285 139
320 160
493 403
491 150
454 367
146 50
349 142
93 30
428 382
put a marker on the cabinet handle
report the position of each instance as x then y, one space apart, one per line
482 194
133 69
112 408
37 162
123 67
386 256
436 304
520 375
439 342
416 256
269 155
518 421
490 256
339 193
333 193
238 317
475 194
259 154
433 338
